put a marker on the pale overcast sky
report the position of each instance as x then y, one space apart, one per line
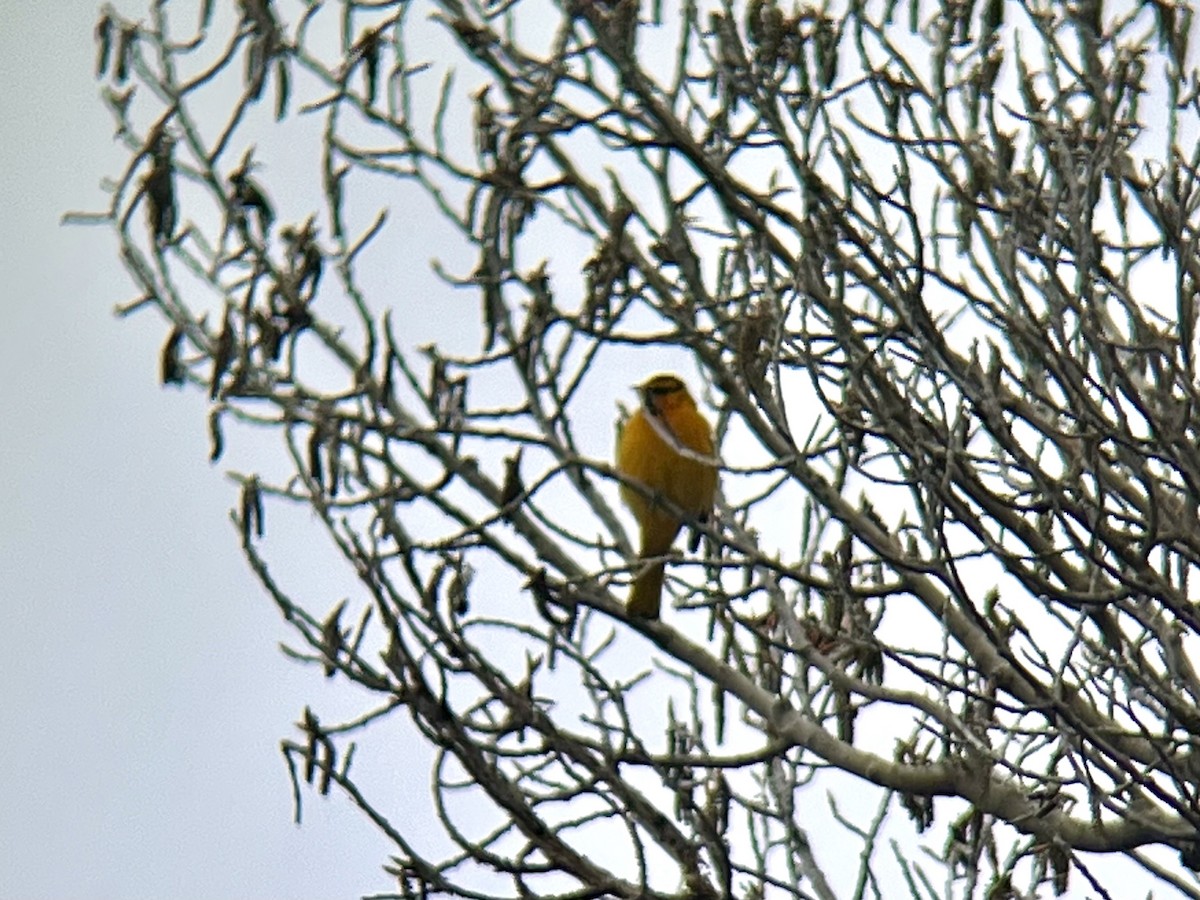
142 694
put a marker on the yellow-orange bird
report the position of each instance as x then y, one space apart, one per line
648 451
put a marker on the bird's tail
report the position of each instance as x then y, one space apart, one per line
646 595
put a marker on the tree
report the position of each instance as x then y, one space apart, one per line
933 269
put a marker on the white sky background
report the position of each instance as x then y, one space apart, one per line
142 694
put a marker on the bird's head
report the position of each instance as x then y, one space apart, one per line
664 392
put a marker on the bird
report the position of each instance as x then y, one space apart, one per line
667 448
